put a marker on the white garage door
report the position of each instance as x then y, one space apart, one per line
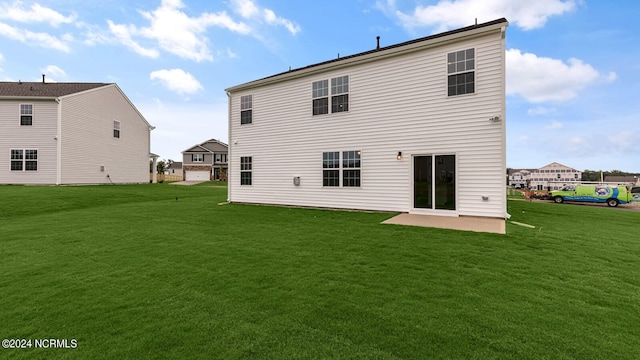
197 175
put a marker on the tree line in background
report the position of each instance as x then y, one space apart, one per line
596 175
593 175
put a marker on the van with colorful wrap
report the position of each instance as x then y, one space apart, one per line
612 195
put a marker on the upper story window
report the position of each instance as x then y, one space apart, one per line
246 109
197 158
320 96
461 74
116 129
339 95
26 114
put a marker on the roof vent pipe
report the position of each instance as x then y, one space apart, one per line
43 78
378 40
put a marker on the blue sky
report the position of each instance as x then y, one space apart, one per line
573 66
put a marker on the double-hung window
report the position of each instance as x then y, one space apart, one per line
246 167
246 109
116 129
346 162
339 95
26 114
331 168
351 168
24 160
461 72
197 158
320 95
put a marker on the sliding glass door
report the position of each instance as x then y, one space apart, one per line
434 182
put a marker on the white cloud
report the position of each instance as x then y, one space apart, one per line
540 110
249 10
177 80
541 79
447 14
124 34
554 125
31 38
35 13
52 70
176 32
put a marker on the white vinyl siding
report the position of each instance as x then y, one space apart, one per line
41 136
396 104
88 141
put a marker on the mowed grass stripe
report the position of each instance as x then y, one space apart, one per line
132 273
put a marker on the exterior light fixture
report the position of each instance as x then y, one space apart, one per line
399 157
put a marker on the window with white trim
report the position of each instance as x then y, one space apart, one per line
246 109
461 74
26 114
197 158
339 95
24 160
246 167
116 129
320 96
345 163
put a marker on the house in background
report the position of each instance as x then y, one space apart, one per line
206 161
71 133
554 176
628 179
174 169
414 127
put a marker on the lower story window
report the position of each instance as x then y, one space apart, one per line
345 163
24 160
246 166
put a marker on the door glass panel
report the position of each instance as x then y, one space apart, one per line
422 170
445 176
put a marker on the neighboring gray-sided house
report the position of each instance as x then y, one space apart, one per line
414 127
174 169
71 133
206 161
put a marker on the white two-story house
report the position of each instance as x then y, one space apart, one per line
71 133
414 127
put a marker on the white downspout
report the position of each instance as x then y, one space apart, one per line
58 139
229 151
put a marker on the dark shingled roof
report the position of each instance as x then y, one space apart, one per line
40 89
427 38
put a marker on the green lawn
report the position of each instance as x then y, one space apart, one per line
162 272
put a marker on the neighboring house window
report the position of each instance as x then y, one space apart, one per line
320 96
461 74
340 94
116 129
197 158
26 114
24 160
245 170
331 168
246 106
218 158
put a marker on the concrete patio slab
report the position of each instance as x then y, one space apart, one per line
466 223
